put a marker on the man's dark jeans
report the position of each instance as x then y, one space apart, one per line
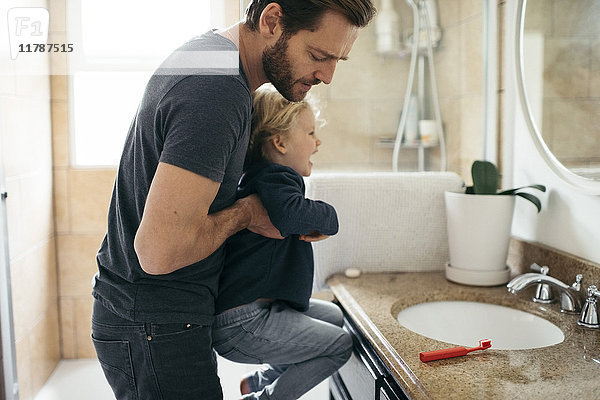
147 361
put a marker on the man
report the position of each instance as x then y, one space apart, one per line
173 203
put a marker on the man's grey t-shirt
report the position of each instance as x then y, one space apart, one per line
199 122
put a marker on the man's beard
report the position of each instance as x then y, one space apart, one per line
278 69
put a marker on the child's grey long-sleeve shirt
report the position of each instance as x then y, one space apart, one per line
282 269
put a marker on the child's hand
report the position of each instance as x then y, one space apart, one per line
314 236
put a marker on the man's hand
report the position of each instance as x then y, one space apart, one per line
314 236
260 223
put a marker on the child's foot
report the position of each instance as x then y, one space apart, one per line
245 387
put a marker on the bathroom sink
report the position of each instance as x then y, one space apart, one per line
465 323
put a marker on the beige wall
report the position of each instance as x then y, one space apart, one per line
81 200
25 133
365 99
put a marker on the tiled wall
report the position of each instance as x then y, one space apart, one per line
365 99
362 104
571 89
81 200
25 134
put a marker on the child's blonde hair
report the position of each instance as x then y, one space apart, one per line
273 114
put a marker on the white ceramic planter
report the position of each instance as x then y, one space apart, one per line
479 230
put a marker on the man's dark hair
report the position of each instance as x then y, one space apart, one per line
306 14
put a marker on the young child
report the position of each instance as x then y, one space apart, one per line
264 311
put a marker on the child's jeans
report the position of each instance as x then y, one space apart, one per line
301 349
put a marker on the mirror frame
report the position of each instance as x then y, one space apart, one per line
586 185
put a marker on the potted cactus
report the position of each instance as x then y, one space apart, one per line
479 226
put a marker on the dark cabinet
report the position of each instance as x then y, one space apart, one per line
365 376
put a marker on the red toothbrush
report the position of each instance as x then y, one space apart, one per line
426 356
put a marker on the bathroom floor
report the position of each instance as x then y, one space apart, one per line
83 379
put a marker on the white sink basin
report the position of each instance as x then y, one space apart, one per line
464 323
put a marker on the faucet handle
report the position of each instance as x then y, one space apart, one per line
592 291
589 312
543 292
577 284
537 268
566 303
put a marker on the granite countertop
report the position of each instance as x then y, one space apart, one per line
570 369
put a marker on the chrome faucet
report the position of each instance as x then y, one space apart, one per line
589 314
571 297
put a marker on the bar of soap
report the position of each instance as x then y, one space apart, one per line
352 272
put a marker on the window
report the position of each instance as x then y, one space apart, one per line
118 44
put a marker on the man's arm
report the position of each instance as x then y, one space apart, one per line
176 229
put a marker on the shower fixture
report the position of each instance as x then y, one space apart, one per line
416 113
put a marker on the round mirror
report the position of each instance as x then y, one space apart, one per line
558 78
